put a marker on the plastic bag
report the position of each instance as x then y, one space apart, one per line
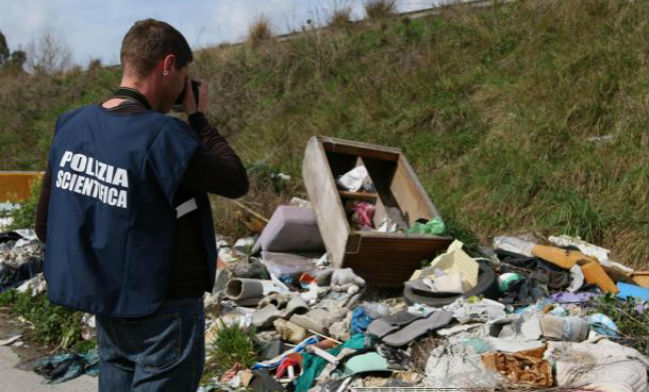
434 226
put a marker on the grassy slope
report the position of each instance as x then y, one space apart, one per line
494 108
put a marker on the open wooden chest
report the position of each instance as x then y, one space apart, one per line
384 259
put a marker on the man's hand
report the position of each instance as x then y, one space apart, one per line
189 104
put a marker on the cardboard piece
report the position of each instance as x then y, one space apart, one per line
520 369
455 260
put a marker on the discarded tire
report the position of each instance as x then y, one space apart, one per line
487 286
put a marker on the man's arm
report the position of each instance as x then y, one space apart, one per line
217 168
40 225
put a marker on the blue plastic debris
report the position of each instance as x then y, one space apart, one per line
603 325
631 290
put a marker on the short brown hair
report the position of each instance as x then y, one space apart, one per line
148 42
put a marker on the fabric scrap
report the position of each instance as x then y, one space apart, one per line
604 366
60 368
312 364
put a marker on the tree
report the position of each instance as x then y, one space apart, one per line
17 59
10 61
4 49
50 54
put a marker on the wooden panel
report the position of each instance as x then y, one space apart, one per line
410 195
389 260
381 173
402 236
385 259
360 149
379 213
358 195
323 194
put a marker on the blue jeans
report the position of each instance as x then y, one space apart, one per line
164 351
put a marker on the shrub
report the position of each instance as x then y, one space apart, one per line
232 345
53 324
340 17
380 9
260 31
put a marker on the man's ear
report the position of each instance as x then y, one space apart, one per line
168 63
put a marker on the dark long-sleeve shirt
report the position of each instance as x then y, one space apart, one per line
215 169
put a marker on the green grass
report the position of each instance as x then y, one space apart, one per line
232 345
495 108
7 297
52 324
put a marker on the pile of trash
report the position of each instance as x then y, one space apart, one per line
310 286
21 261
21 269
522 316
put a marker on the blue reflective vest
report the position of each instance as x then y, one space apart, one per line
111 216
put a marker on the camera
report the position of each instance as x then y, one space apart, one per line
178 105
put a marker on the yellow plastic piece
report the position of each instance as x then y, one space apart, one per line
560 257
594 273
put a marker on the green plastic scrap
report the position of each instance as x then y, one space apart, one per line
434 226
506 280
312 364
364 363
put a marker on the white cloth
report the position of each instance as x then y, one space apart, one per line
446 369
344 279
603 366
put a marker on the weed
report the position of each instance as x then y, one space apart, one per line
52 324
7 297
260 31
631 318
577 216
380 9
340 17
232 345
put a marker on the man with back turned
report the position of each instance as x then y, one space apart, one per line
126 219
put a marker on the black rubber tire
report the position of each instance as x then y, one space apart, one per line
487 286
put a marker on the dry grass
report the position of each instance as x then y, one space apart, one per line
495 108
30 103
377 10
340 17
267 191
260 31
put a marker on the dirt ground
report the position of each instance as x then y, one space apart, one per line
11 326
14 379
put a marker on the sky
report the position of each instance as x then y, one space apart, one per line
94 29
